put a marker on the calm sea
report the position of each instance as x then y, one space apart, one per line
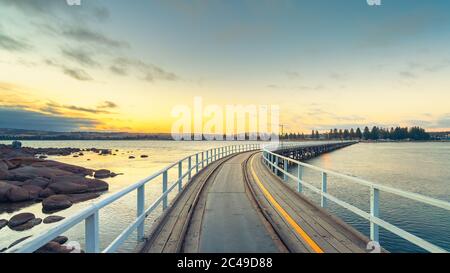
417 167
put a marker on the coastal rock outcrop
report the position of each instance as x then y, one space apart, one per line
52 219
67 188
23 221
20 219
56 203
54 247
23 177
3 223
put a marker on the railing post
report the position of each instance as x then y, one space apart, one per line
92 234
300 178
164 189
323 200
140 211
196 163
285 169
180 176
276 165
189 168
203 160
207 158
374 212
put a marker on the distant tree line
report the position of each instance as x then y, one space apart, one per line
376 133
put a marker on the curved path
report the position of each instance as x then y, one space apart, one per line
237 205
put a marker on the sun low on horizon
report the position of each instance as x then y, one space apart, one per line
110 65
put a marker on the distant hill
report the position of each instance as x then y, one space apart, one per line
20 134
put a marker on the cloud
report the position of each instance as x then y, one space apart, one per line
407 74
55 108
24 119
293 75
76 73
80 56
82 34
11 44
54 8
149 72
107 104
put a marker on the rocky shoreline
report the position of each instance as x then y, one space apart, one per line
27 177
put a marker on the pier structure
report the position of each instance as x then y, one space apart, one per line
240 199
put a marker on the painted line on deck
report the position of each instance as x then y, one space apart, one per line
313 245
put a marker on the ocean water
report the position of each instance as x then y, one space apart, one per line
422 168
416 167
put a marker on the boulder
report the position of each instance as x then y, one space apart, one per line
56 203
28 225
3 166
46 193
93 185
38 181
15 183
60 240
102 173
18 194
33 191
19 241
4 174
3 223
77 198
33 172
20 219
72 169
144 156
131 157
54 247
4 189
67 187
53 219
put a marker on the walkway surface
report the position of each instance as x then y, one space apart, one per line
237 205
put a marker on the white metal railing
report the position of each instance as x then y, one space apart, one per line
90 215
272 160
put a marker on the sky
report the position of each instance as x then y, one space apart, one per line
113 65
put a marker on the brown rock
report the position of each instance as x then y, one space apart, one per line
131 157
4 189
33 191
20 219
56 203
17 194
144 156
33 172
3 223
4 174
67 188
60 239
15 183
38 181
53 247
52 219
92 184
19 241
76 198
28 225
46 193
102 173
70 169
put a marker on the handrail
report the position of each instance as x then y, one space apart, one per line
90 214
271 159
